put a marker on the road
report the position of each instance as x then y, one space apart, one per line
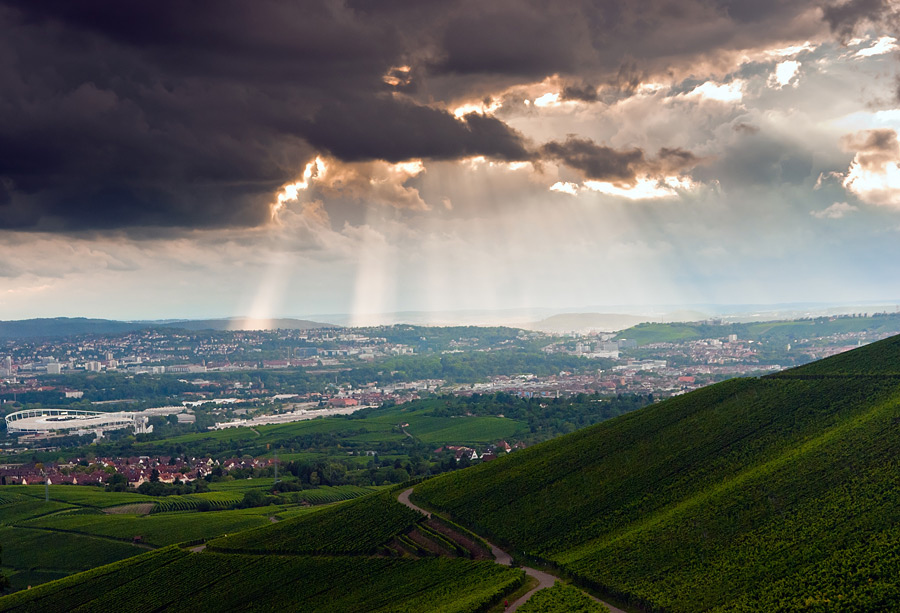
545 579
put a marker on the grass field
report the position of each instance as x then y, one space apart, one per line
378 426
79 495
159 530
464 430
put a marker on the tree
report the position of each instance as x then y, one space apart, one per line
117 483
253 498
154 476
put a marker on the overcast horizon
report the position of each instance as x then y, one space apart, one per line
208 159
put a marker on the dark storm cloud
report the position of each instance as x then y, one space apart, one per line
192 114
844 17
396 130
584 92
602 163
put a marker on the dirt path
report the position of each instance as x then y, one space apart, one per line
545 579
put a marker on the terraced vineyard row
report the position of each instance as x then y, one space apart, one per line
194 502
173 580
337 493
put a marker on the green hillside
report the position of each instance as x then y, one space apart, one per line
778 332
780 493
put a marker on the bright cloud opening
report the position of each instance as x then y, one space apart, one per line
565 188
478 107
720 92
791 50
785 72
879 186
644 188
547 99
883 45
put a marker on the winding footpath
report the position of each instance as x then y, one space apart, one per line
545 579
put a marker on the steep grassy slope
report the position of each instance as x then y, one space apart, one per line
747 492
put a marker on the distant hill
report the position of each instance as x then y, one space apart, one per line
773 494
587 322
71 326
584 323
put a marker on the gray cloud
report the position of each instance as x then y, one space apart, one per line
756 159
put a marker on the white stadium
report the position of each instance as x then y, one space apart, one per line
71 421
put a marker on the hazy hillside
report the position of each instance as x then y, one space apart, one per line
70 326
750 495
586 322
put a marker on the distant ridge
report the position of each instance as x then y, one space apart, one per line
71 326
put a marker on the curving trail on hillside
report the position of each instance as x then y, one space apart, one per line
544 578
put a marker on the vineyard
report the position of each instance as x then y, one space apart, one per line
32 556
27 508
704 501
210 501
561 598
360 526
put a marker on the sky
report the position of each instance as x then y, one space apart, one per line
214 158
